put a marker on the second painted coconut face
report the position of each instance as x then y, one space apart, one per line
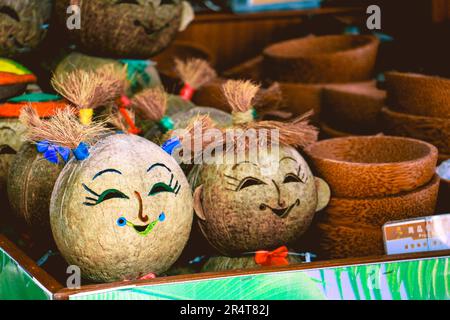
23 25
253 205
124 212
126 28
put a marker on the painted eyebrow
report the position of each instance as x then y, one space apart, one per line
234 166
7 128
106 171
158 165
290 158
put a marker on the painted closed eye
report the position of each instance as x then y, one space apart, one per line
128 2
104 196
248 182
290 177
10 12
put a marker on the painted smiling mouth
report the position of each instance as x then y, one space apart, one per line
281 212
5 149
142 230
149 30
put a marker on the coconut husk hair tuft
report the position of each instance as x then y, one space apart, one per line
240 94
89 89
268 100
194 72
152 103
62 129
297 133
117 74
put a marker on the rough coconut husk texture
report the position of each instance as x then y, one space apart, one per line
237 220
11 139
89 236
324 59
433 130
373 166
63 129
194 72
21 25
240 96
30 184
151 103
90 89
222 263
31 177
418 94
268 101
123 30
354 108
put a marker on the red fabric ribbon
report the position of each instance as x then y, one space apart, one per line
187 92
124 103
148 276
277 257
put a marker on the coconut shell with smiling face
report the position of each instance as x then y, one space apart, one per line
247 206
23 25
118 28
124 212
265 197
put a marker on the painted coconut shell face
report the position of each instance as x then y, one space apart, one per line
249 206
30 184
22 25
11 139
124 212
125 28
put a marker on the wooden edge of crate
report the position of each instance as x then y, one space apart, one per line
30 266
65 293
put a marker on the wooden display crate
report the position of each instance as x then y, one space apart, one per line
409 276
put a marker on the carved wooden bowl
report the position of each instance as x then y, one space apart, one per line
324 59
376 211
373 166
418 94
337 242
353 108
433 130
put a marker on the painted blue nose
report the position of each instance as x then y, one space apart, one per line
121 222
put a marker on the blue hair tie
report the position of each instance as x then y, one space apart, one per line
81 152
51 151
171 145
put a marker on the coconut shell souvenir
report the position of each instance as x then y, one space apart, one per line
31 178
141 73
12 130
131 29
266 199
14 78
123 212
23 25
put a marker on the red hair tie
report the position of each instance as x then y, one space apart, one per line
187 92
124 103
277 257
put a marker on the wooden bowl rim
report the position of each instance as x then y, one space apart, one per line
430 184
369 40
416 76
432 150
388 111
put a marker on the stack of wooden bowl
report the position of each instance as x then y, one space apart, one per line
352 109
418 106
373 180
305 66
